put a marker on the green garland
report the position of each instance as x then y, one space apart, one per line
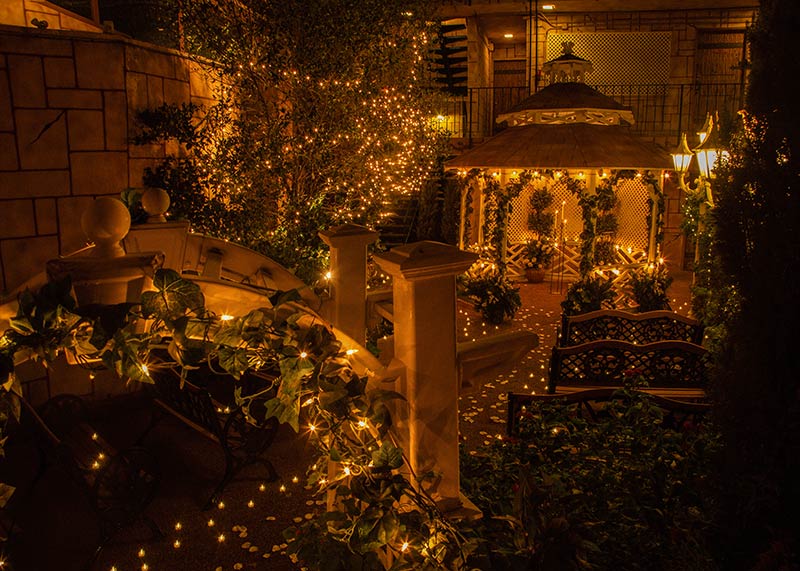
659 204
381 513
588 205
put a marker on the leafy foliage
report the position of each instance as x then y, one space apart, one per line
625 492
315 388
590 293
492 295
755 284
538 253
310 130
539 220
649 287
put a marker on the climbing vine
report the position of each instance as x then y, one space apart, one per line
382 513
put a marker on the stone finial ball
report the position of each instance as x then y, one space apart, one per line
155 202
105 223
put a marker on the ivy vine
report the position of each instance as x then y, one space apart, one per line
381 514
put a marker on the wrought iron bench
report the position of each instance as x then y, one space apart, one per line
639 328
676 368
242 442
119 484
588 404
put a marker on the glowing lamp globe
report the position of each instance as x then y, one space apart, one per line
682 155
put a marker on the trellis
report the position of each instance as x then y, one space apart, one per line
632 238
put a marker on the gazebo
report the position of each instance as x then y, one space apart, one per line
569 131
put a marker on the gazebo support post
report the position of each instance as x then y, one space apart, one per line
651 244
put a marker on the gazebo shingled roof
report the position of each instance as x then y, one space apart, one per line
568 146
572 95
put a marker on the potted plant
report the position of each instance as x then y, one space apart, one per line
538 256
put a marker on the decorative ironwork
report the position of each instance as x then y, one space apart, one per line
637 328
119 486
242 442
606 362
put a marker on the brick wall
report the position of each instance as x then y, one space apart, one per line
67 101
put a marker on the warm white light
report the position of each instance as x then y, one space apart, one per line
549 7
508 36
682 155
225 317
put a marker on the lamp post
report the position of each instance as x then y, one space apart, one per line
708 153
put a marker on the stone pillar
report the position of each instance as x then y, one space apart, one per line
107 275
157 234
348 244
425 341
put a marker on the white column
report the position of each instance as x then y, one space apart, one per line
348 244
425 341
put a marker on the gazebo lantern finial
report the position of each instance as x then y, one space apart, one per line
567 68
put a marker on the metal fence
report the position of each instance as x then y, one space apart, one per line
662 111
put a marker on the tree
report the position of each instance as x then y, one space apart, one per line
757 242
324 114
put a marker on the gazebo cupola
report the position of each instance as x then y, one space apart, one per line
567 99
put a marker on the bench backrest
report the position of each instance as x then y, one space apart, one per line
193 403
607 362
640 328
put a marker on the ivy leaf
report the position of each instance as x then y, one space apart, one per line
108 319
5 494
234 361
286 410
388 457
174 296
281 297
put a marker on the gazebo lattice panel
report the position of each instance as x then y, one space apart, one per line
633 233
565 207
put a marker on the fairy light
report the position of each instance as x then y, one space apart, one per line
178 526
176 544
225 317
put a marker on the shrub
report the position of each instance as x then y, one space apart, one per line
624 492
493 296
649 287
588 294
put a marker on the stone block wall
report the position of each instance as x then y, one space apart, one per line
22 12
67 105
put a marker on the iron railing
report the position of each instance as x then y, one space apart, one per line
662 111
